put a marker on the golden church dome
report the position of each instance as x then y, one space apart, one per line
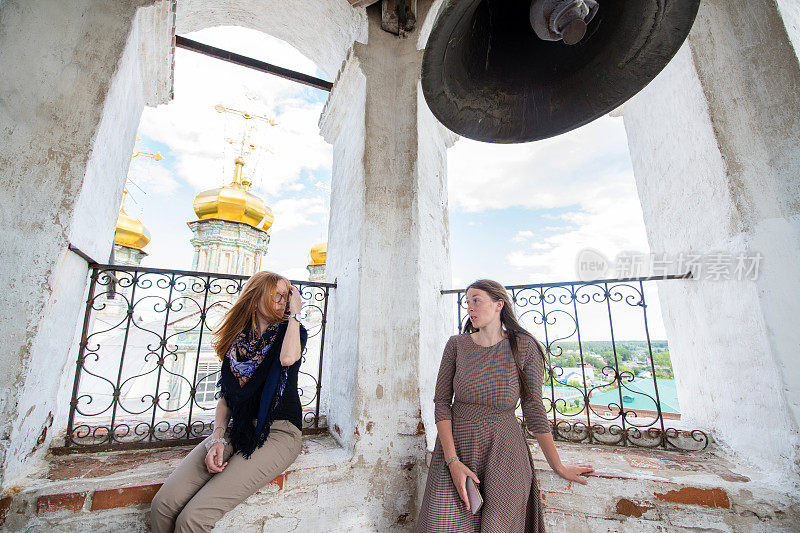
319 253
233 202
130 231
268 219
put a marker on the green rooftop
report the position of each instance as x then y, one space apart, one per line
638 393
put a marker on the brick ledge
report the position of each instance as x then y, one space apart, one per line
104 481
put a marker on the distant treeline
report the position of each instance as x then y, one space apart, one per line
606 346
631 356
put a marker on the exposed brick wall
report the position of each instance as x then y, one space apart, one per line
630 489
54 503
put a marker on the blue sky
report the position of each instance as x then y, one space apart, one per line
518 213
480 238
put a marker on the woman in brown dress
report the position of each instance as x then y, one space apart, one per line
489 367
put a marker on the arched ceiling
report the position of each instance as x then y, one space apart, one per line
322 30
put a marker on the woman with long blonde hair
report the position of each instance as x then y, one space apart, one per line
483 373
258 425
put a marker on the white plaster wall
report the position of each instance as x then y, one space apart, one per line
389 321
69 103
790 13
322 30
713 143
751 77
104 179
389 255
343 125
425 19
436 310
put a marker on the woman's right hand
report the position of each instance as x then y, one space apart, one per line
459 472
214 462
572 472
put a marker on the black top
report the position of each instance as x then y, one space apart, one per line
290 408
244 401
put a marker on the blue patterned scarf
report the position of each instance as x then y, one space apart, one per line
252 382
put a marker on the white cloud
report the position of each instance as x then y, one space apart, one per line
587 170
291 213
566 170
610 224
295 273
151 176
556 228
522 236
204 143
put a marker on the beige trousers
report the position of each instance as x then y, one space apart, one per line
191 499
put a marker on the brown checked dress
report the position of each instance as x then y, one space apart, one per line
488 438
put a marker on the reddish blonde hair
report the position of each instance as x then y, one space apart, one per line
262 286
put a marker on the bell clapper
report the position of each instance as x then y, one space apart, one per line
562 20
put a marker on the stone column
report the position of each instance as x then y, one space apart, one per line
213 258
196 258
389 255
714 145
75 77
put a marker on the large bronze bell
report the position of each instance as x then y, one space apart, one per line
509 71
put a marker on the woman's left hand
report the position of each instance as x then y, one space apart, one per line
574 473
295 301
214 462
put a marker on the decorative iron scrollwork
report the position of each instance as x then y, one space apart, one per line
146 371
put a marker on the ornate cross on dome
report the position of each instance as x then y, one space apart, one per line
247 116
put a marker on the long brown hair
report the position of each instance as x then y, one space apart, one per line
260 287
509 321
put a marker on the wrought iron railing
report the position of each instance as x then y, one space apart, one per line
596 397
146 373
